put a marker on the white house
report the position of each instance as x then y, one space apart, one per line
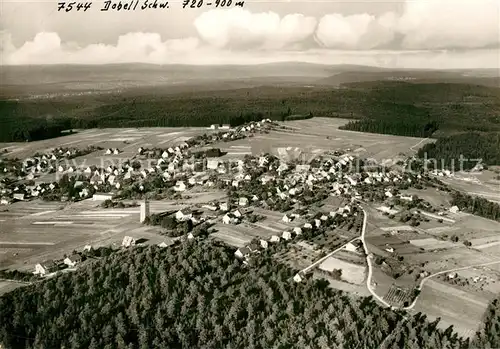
72 260
287 235
210 207
163 244
243 201
212 164
229 219
45 268
237 213
287 219
275 238
242 252
297 230
102 196
108 152
224 206
18 196
351 247
454 209
406 197
264 244
297 278
128 241
180 186
308 225
184 214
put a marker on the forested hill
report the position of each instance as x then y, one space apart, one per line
197 295
402 108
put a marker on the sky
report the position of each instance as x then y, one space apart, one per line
394 33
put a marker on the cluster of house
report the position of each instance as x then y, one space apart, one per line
245 252
174 162
114 151
50 267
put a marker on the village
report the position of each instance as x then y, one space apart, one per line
311 212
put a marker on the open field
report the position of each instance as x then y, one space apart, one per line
472 185
431 244
435 197
317 135
241 234
440 300
7 286
127 140
352 273
32 232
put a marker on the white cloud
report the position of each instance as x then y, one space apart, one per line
132 47
437 24
424 24
243 29
240 36
360 31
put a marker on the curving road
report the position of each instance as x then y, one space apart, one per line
444 272
422 282
369 258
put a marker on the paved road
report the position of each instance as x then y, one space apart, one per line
369 258
319 261
422 282
444 272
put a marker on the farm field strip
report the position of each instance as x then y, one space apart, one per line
432 244
398 227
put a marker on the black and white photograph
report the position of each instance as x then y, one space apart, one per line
250 174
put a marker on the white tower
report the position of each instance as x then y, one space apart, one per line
144 210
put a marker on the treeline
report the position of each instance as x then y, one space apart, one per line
26 129
476 205
489 334
153 108
472 146
197 295
396 126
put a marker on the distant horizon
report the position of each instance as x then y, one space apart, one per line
246 64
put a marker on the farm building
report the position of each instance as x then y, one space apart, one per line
45 268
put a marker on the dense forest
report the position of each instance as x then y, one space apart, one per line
408 109
197 295
476 205
489 334
472 146
465 119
